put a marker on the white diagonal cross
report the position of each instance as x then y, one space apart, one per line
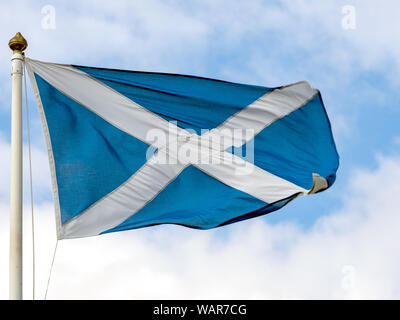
143 186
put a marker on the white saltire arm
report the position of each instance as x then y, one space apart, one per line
104 101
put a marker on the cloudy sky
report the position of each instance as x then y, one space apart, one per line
342 243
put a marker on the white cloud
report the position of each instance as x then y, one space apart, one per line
155 34
263 43
353 253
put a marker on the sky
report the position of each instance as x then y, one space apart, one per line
339 244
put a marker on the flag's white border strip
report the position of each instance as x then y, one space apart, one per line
49 148
278 102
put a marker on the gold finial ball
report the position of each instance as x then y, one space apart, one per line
18 43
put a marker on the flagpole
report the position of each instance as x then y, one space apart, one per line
17 44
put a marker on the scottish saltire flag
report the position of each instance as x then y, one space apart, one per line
134 149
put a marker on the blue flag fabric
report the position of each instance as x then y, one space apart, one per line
133 149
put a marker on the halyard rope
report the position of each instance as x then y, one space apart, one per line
51 269
31 188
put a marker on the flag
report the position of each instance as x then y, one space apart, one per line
131 149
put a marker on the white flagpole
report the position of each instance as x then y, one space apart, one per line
17 44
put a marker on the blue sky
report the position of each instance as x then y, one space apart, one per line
267 43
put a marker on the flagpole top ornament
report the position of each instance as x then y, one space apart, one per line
18 43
